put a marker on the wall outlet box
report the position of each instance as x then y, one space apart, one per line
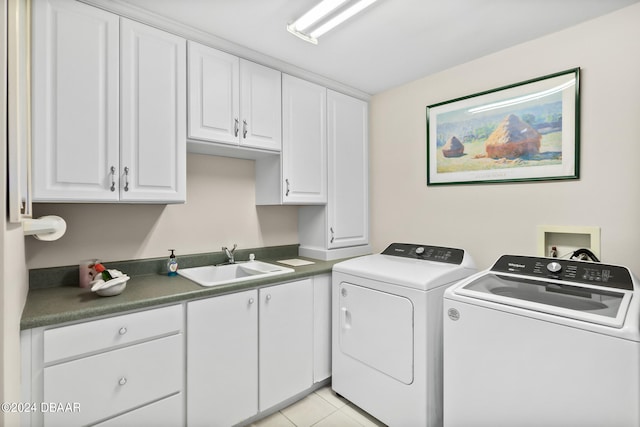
567 239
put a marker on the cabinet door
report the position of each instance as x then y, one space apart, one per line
214 98
304 142
75 102
348 206
153 141
260 106
222 359
321 327
286 341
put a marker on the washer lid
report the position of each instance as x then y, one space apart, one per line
589 303
413 273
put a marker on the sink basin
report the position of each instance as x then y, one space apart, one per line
214 275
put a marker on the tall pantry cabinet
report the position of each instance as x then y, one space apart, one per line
108 107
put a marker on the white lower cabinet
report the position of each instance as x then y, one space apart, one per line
286 341
249 351
222 364
113 382
246 352
167 412
321 327
114 371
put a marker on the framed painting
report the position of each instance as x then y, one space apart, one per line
528 131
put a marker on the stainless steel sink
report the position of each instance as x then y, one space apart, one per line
215 275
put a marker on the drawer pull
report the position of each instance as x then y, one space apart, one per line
122 381
122 331
251 301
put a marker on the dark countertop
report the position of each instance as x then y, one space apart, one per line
55 305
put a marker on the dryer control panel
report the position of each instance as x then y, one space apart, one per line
425 252
594 273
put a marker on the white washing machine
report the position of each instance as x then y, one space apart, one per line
387 330
543 342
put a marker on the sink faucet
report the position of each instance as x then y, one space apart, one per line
230 253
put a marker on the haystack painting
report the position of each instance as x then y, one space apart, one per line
526 131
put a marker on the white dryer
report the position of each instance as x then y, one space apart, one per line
387 330
543 342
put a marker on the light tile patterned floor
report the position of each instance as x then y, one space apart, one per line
320 409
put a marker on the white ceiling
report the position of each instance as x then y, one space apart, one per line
392 42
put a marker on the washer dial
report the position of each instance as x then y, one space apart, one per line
554 267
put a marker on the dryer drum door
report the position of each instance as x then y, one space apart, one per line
376 329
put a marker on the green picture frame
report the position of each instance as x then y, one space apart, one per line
527 131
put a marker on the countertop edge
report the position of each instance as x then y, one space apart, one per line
56 306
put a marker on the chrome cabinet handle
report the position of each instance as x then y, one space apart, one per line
251 301
268 297
126 178
332 234
287 193
122 381
236 127
122 331
113 178
244 129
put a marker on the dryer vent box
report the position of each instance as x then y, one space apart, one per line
567 239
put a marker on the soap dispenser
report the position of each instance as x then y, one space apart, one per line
172 264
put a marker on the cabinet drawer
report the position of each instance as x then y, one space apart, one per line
168 412
110 383
81 338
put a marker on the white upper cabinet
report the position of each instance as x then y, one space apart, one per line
109 109
341 228
75 108
304 142
153 151
260 106
233 101
214 96
348 206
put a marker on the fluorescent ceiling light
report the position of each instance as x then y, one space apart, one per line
324 9
318 12
339 19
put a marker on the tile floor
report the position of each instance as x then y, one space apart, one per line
320 409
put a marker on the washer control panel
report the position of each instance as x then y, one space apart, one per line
594 273
425 252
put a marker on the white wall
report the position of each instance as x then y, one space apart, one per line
493 219
220 211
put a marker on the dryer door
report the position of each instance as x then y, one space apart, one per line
376 328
